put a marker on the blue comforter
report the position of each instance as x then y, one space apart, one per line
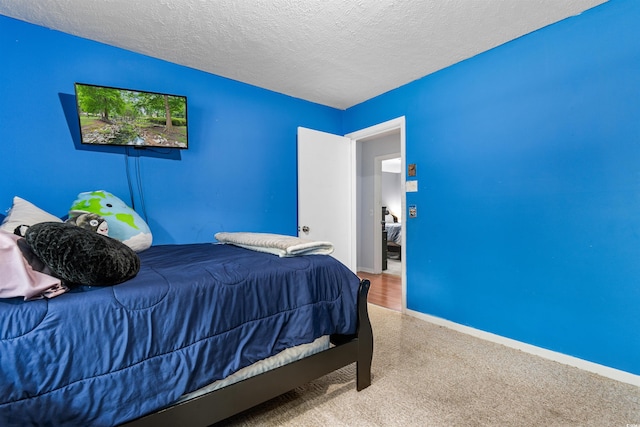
194 314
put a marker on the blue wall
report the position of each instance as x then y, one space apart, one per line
528 160
239 172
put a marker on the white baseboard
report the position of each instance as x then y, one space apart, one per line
605 371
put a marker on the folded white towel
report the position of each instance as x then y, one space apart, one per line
277 244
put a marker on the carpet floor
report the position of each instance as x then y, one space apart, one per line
429 375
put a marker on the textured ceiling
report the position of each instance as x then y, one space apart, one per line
333 52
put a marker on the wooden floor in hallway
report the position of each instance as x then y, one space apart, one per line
385 290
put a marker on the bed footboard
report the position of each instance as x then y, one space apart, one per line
235 398
363 339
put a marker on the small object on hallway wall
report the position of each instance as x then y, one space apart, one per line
412 169
412 186
413 211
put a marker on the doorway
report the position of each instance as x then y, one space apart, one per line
374 146
351 194
390 193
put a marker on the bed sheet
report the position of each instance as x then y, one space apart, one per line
193 315
394 232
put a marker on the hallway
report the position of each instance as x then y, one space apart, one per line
385 290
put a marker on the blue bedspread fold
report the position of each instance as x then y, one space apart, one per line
194 314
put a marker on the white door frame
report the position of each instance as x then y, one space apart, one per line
373 132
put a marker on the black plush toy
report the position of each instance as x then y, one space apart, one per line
82 256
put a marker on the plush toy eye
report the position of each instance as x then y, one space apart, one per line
94 222
109 205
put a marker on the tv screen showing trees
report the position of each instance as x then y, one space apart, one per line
113 116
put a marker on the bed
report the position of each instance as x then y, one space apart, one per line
393 230
141 353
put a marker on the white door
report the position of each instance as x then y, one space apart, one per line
326 189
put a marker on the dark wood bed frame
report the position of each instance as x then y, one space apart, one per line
235 398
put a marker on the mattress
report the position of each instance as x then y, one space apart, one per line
286 356
193 315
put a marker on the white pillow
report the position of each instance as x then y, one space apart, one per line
25 213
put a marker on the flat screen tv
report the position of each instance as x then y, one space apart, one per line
134 118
